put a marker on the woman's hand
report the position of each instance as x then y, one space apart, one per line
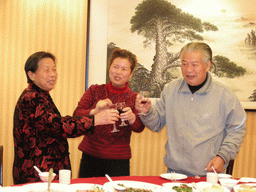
128 115
101 106
105 117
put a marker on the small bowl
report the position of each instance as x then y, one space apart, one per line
229 183
44 176
224 176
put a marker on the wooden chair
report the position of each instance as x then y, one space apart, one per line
1 165
229 169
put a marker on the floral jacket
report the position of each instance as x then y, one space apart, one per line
40 135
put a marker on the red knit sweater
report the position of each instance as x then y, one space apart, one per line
102 143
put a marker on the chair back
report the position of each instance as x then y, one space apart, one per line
1 165
230 166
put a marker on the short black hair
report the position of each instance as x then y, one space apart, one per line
32 62
123 53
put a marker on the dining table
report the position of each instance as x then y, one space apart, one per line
159 181
148 179
100 181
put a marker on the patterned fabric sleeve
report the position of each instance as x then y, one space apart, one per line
44 115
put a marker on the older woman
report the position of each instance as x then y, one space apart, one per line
105 151
40 133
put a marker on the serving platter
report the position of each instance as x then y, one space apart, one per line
133 184
173 176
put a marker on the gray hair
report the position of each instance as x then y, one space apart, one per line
198 46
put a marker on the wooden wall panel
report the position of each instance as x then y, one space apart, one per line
28 26
245 162
148 152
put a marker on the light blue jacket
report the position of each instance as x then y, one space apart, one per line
199 126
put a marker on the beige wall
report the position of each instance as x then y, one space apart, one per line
59 26
28 26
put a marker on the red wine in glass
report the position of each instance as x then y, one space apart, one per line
114 106
120 107
145 98
120 111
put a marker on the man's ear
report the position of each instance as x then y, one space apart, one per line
209 64
31 75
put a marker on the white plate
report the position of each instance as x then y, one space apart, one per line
173 176
237 187
38 187
134 184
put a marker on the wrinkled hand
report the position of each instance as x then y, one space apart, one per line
101 105
128 115
105 117
218 164
142 108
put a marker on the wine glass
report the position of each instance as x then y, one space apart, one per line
114 106
145 98
120 107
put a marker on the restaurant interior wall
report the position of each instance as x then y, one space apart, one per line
28 26
60 27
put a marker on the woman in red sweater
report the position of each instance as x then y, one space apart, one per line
104 151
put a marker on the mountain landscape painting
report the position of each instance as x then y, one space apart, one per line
156 30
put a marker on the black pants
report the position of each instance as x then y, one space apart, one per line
95 167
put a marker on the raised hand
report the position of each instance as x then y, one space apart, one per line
106 117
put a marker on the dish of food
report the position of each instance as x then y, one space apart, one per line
179 187
86 187
214 188
208 187
133 186
250 187
173 176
